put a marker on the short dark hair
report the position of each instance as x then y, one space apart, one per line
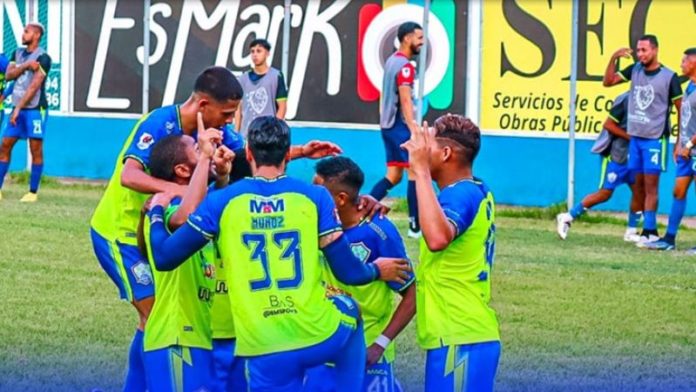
690 51
343 172
460 130
650 38
260 42
269 140
219 83
407 28
165 155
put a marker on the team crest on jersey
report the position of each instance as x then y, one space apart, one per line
258 99
406 72
611 177
142 273
169 126
361 251
644 96
145 141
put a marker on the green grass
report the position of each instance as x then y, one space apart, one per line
591 313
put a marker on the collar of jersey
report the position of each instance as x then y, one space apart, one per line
178 117
264 179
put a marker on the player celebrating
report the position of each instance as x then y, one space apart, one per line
29 69
455 324
686 157
268 229
654 88
613 144
265 93
397 117
368 240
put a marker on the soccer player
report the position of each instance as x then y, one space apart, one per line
29 69
268 230
654 89
455 323
397 117
612 144
265 93
369 239
685 155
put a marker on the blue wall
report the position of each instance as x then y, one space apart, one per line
520 170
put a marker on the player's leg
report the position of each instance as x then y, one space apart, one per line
462 368
653 153
35 123
394 171
321 378
8 143
178 369
228 370
636 208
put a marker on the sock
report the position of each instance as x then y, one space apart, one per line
35 178
4 167
634 218
650 221
675 217
577 210
381 188
412 206
135 377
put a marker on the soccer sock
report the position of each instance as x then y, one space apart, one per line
634 218
135 377
412 206
381 188
4 167
577 210
35 178
649 221
675 217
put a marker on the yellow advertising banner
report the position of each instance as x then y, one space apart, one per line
525 64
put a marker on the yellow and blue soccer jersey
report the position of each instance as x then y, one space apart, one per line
221 319
267 232
370 240
454 285
118 212
184 296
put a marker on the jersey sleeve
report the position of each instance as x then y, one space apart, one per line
393 246
618 110
675 90
406 75
282 90
460 205
232 139
326 209
45 63
626 72
206 218
147 134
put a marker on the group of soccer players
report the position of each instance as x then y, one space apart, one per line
247 279
634 142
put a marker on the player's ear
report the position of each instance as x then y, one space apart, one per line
341 199
183 171
247 152
447 153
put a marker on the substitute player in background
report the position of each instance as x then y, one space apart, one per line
686 157
265 93
612 144
455 324
29 69
269 229
397 117
369 239
654 88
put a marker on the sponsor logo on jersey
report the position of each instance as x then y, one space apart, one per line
145 141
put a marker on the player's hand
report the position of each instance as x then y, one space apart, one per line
684 152
372 207
374 354
316 149
208 139
222 161
418 148
623 52
13 117
393 270
161 199
32 65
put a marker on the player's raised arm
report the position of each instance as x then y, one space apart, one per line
612 75
169 251
136 178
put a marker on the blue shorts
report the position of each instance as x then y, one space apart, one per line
614 174
127 268
285 371
31 123
179 369
228 370
378 377
647 156
393 138
686 167
462 368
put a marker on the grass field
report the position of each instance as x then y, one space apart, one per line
588 314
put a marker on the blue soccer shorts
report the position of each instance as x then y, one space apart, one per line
126 266
228 370
378 378
614 174
179 369
285 371
462 368
686 167
647 156
393 138
31 124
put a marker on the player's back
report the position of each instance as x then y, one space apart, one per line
269 243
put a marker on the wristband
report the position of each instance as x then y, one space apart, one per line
156 214
689 145
382 341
